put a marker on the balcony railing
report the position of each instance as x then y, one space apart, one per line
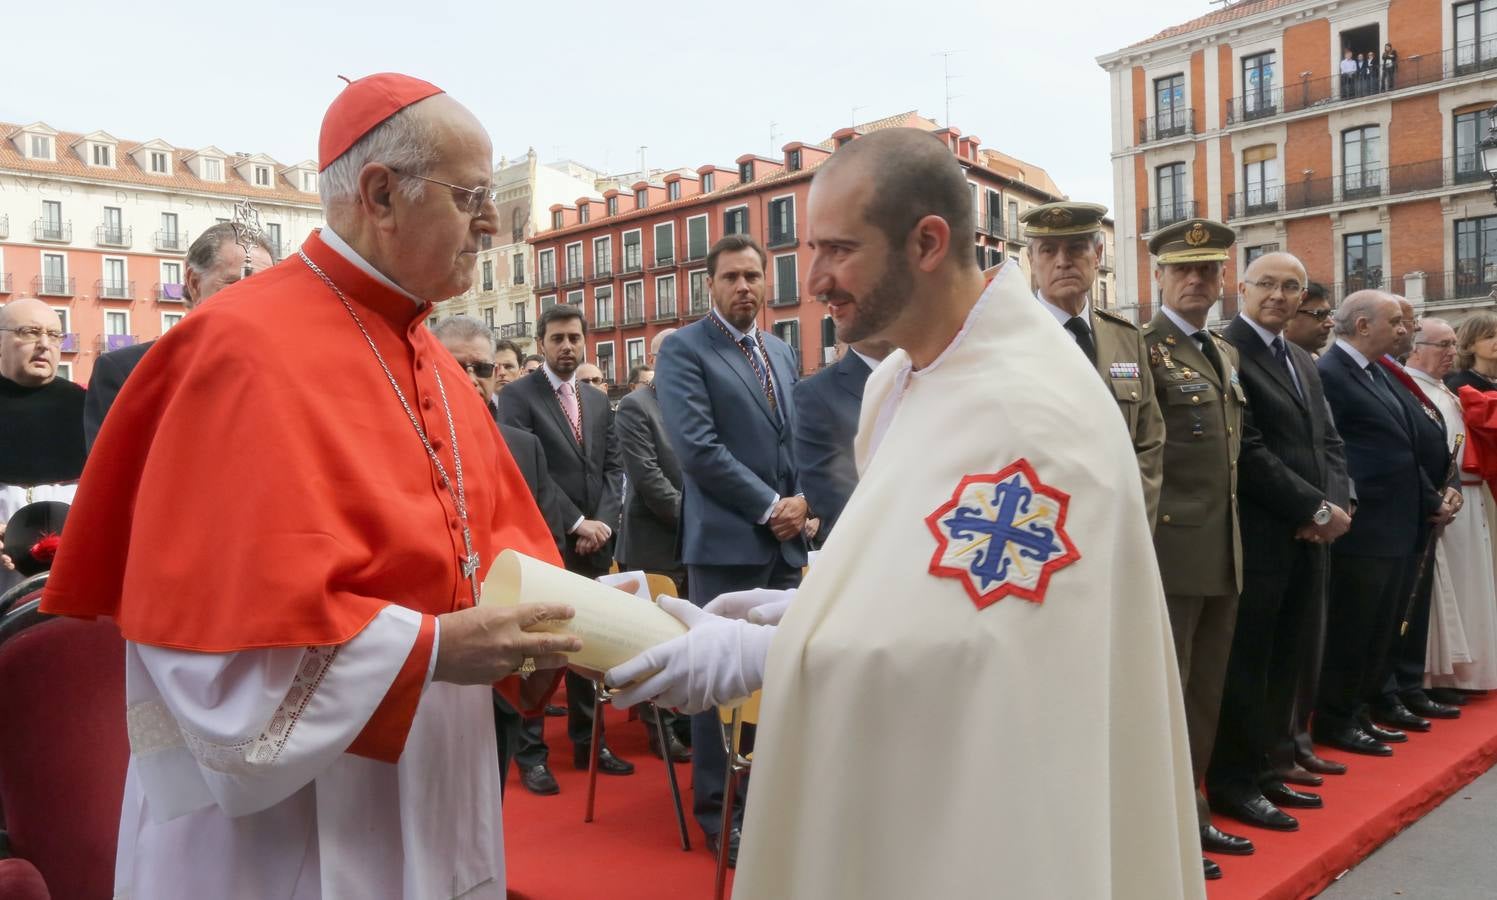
119 341
546 282
4 227
602 272
573 278
171 241
114 290
698 307
789 298
52 286
632 265
695 254
169 293
991 224
1357 185
69 342
1373 280
1153 218
666 313
1166 124
515 330
666 262
1309 93
111 236
1470 281
778 239
633 317
602 322
5 279
519 277
52 230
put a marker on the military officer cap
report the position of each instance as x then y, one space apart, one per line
1192 241
1063 219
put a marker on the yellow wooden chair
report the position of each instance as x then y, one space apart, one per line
658 584
734 717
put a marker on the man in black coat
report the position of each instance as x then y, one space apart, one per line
1395 500
827 407
1288 515
575 428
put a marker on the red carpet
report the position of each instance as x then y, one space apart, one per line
631 851
1375 800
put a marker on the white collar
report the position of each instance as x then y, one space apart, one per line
339 246
1189 329
734 332
1061 315
1268 336
1354 353
1423 375
869 361
556 380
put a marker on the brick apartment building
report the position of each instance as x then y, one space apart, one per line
1243 116
635 260
99 227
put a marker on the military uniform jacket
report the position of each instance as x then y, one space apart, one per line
1196 535
1123 362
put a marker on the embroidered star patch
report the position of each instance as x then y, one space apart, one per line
1002 534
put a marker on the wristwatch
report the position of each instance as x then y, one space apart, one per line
1323 515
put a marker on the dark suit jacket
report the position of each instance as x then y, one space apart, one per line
110 372
1290 447
1430 441
531 460
1394 495
652 499
826 421
589 477
735 451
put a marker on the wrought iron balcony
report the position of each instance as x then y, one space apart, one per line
119 341
695 254
114 290
546 282
789 298
1153 218
69 342
633 317
991 224
171 241
515 330
1358 185
169 293
111 236
1371 280
52 230
1166 124
602 272
1471 281
53 286
698 307
664 262
666 314
779 240
573 279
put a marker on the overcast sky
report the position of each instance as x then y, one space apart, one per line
693 82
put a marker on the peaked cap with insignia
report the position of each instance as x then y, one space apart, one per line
1063 219
1192 241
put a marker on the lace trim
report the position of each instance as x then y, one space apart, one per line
151 728
248 756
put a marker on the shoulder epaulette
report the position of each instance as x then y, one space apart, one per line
1111 316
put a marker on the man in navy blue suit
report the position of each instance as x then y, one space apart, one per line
1395 499
726 393
827 407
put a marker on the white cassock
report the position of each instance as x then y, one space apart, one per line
239 786
930 731
1462 649
13 497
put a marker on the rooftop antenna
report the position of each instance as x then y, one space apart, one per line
855 114
643 172
773 136
946 72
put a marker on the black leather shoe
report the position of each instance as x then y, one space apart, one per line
1420 705
539 780
1354 740
678 750
608 764
556 711
1297 774
1280 794
714 840
1398 716
1214 840
1213 871
1313 763
1386 735
1448 696
1257 811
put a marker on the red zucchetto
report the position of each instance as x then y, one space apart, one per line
363 105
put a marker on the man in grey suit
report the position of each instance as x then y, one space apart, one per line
575 428
214 261
827 406
726 393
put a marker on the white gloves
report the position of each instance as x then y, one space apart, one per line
761 606
715 662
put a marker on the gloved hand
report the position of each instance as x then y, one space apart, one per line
761 606
716 661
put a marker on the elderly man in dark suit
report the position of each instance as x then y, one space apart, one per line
214 261
726 392
827 407
1395 498
575 428
1288 515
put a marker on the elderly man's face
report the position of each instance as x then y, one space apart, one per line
228 267
1405 343
1191 289
1271 289
30 345
476 356
508 368
587 373
1311 325
1065 268
1383 330
1434 348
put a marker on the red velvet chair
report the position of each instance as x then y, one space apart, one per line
19 880
63 749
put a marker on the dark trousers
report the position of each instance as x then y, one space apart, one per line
1360 621
709 762
506 735
532 750
1406 658
1263 671
1311 656
1202 628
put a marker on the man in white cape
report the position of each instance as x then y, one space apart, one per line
993 580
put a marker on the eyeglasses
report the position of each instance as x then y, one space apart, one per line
482 370
1447 344
1270 285
30 334
469 200
597 380
1319 315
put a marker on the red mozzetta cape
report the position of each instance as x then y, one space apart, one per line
1479 409
257 483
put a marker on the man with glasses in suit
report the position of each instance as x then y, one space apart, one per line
1310 326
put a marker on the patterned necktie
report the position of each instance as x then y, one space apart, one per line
1281 353
1077 326
1208 349
568 396
747 343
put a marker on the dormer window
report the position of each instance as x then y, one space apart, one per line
160 163
262 176
707 182
584 212
309 182
41 146
102 155
746 171
641 199
792 160
673 191
213 170
556 219
613 206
